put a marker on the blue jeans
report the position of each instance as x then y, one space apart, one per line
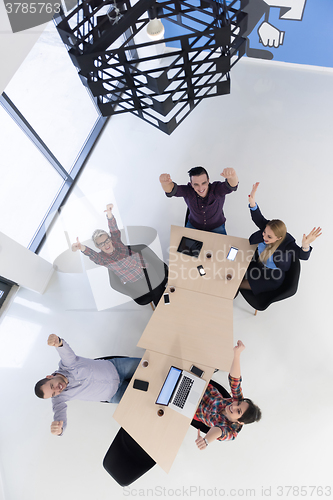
125 368
219 229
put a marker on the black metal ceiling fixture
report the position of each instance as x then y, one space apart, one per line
128 65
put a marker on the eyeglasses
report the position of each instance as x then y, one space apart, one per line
103 243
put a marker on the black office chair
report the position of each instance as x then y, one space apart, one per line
125 460
200 425
153 295
288 288
111 357
186 216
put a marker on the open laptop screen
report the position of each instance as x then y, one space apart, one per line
169 386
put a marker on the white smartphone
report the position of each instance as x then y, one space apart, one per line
232 253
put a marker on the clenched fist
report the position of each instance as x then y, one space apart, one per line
165 179
53 340
56 427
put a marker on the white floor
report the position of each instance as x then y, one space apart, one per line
275 128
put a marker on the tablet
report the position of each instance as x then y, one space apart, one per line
190 247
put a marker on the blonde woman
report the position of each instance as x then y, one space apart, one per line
276 250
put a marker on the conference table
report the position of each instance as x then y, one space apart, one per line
223 276
195 327
197 324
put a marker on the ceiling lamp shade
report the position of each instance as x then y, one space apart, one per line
155 59
155 29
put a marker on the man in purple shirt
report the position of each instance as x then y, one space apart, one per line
205 200
83 378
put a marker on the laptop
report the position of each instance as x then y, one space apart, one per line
191 247
181 391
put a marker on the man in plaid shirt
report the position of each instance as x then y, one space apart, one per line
226 416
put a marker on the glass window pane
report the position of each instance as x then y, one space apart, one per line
48 92
28 183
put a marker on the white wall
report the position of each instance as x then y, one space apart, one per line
22 266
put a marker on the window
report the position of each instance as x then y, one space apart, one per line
49 125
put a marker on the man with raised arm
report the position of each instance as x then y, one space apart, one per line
205 200
84 379
136 271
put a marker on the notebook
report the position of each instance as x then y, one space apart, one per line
181 391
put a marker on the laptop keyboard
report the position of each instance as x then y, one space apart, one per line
182 392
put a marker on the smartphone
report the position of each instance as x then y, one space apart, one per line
166 298
232 253
196 371
201 270
141 385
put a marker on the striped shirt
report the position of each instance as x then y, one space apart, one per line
212 405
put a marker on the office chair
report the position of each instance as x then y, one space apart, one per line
125 460
186 216
288 288
111 357
200 425
154 294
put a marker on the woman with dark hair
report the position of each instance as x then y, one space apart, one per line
226 416
276 250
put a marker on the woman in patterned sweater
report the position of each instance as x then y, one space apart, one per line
226 416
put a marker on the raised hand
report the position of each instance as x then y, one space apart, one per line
53 340
252 195
200 442
228 172
108 210
307 240
239 347
166 183
165 179
78 246
230 175
56 427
